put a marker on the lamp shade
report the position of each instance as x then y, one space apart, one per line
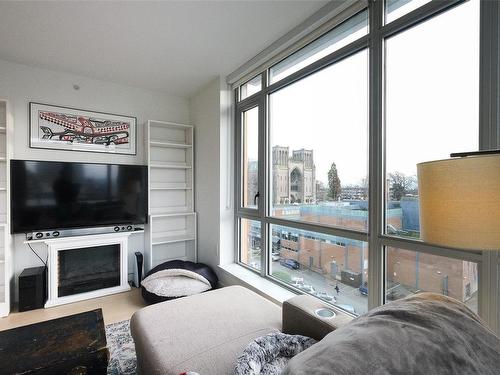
460 202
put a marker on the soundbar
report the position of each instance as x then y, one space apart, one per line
56 233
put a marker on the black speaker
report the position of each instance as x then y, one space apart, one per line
138 269
32 288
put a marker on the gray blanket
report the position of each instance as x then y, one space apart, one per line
425 334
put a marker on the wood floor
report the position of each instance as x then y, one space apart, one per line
115 308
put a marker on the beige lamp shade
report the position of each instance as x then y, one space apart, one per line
460 202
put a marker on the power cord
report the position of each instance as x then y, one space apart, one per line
38 256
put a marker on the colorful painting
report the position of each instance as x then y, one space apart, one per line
64 128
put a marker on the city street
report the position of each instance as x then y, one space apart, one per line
347 296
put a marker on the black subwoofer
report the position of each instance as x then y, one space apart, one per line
32 288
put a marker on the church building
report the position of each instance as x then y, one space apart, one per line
294 177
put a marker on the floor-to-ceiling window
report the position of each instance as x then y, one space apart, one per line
431 110
328 140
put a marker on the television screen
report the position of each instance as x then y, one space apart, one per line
58 195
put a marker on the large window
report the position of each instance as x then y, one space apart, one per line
332 268
328 198
345 33
410 272
432 100
250 156
319 149
250 244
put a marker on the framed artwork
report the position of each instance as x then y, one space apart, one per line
71 129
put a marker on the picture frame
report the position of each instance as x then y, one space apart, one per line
71 129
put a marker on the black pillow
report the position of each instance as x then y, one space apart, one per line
199 268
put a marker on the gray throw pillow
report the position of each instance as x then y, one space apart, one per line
422 334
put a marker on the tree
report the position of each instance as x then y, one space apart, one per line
400 185
333 182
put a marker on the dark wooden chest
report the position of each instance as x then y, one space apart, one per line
74 344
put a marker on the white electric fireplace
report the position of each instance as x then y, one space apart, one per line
86 267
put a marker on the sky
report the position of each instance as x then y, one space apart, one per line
432 109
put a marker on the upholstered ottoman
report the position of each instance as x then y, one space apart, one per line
204 333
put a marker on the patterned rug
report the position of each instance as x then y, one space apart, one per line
121 349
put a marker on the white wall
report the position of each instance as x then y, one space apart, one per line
204 107
210 113
21 84
226 178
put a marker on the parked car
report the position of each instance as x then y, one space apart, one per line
255 250
308 288
290 263
347 308
298 281
363 289
275 257
326 297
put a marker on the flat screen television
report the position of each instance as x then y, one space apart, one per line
61 195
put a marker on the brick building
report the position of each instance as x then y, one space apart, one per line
407 271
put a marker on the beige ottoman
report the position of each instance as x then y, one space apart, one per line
204 333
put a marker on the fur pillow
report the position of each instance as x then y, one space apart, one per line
269 354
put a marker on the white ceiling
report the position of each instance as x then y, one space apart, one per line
171 46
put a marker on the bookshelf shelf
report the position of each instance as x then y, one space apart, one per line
171 231
169 144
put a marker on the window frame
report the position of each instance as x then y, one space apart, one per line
256 102
489 138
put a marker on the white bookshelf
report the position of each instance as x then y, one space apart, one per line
171 230
6 278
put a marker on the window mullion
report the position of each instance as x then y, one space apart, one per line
263 179
489 76
237 175
376 209
489 138
238 162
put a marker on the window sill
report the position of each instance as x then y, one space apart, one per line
255 282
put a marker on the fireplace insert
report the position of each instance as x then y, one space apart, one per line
87 269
